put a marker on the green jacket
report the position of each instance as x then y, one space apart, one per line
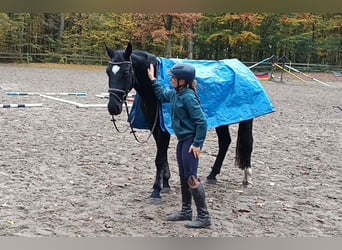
188 119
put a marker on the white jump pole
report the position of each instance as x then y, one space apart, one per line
23 105
78 105
37 93
297 71
60 100
130 98
96 105
68 94
20 93
265 60
102 96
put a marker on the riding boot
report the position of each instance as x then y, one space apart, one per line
186 211
203 218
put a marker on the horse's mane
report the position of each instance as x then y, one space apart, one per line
141 61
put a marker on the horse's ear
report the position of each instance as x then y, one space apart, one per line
128 51
110 52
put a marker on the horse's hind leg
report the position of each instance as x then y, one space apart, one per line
224 141
244 148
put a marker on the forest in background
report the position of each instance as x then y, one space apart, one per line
310 38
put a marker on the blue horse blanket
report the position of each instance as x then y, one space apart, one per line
229 92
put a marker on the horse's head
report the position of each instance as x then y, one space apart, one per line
121 78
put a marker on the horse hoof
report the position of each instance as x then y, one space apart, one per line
247 183
165 190
247 180
155 201
211 181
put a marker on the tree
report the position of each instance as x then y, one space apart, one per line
60 33
302 37
180 26
247 43
269 35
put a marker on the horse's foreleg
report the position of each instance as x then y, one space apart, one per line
244 148
162 166
224 141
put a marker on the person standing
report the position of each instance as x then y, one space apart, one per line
190 127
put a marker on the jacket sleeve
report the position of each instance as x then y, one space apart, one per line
161 94
199 120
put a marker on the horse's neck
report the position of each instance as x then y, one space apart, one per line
144 88
143 84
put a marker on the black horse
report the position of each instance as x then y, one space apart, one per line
127 69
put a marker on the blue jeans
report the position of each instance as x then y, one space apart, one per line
187 163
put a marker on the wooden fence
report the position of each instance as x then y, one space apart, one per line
51 58
101 60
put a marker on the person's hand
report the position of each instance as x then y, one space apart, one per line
195 150
150 72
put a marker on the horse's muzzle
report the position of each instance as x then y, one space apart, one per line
114 108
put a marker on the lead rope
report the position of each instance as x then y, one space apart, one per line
131 124
151 131
114 120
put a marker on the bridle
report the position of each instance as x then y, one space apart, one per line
123 100
115 91
121 95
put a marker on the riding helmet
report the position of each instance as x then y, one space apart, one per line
183 71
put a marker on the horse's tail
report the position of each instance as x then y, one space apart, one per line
244 144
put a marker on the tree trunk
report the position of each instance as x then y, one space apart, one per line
191 45
168 27
60 33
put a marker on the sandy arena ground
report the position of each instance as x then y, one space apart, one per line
64 171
